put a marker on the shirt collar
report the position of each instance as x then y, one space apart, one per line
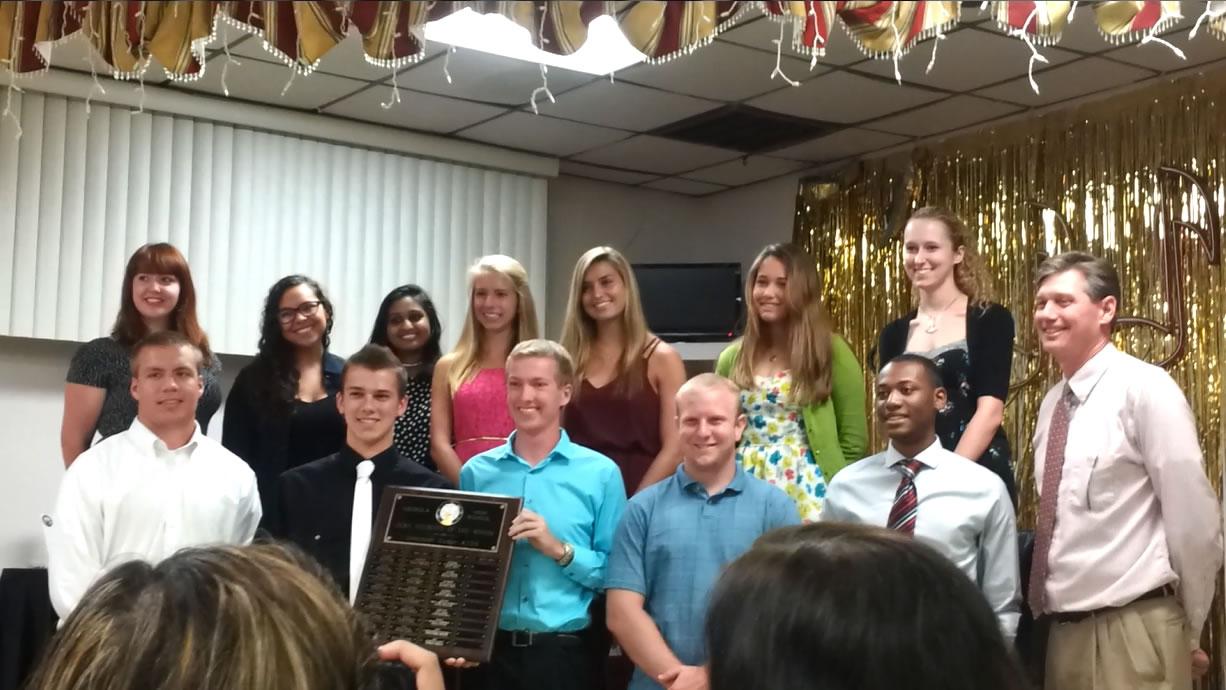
383 461
564 450
688 483
145 438
1087 377
930 457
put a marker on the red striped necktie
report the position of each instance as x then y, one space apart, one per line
906 501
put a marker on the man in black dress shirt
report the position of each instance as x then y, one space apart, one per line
316 505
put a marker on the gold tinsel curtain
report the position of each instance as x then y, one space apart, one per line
1140 179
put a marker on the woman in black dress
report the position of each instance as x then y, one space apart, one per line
409 326
282 411
969 338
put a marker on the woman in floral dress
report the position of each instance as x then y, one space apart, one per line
802 388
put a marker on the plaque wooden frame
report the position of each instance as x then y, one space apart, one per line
436 570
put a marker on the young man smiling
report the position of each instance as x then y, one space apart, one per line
917 487
573 499
327 507
678 534
147 492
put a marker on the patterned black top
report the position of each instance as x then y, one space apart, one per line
979 365
104 363
413 427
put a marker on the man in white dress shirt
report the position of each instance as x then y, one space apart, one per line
147 492
917 487
1128 538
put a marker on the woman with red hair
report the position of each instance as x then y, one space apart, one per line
158 295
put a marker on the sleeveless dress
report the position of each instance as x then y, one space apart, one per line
774 446
620 424
954 361
412 430
480 419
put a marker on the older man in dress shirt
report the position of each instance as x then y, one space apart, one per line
917 487
1128 536
573 499
151 490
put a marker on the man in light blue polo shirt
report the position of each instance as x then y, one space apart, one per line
573 500
677 535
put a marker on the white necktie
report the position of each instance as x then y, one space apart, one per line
359 532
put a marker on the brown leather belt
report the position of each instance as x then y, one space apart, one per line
1063 617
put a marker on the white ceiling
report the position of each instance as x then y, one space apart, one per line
600 127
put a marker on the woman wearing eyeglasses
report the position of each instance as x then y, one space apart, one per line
282 411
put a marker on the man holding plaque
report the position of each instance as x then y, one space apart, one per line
327 506
677 535
573 499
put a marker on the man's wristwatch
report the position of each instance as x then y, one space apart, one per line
568 555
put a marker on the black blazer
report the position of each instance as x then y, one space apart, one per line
989 342
316 502
262 437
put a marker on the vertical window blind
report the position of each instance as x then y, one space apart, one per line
80 191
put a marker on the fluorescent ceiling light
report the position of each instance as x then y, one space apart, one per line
605 50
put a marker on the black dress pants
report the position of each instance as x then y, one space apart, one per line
554 661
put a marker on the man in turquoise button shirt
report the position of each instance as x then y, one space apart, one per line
573 500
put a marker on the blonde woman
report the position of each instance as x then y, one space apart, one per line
628 378
802 388
968 337
468 397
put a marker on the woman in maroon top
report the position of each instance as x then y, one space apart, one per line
623 403
627 377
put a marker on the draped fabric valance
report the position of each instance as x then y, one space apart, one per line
130 34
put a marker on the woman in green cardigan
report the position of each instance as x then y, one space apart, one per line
802 389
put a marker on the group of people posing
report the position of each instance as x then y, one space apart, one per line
640 488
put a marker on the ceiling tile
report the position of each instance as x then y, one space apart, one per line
721 71
263 82
656 154
944 116
1079 78
542 134
600 173
745 170
423 111
844 97
346 59
1204 48
848 142
966 59
76 53
683 186
758 33
486 77
1082 33
623 105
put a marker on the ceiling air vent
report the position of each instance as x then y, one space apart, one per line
746 129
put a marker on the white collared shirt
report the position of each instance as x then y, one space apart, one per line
130 497
1135 509
964 512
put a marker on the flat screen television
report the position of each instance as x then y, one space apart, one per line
691 302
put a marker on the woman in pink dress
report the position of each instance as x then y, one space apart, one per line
468 404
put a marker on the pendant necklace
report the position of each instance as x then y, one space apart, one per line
933 319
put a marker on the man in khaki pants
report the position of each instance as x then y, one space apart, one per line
1128 540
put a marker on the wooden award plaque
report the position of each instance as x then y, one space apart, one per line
436 569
